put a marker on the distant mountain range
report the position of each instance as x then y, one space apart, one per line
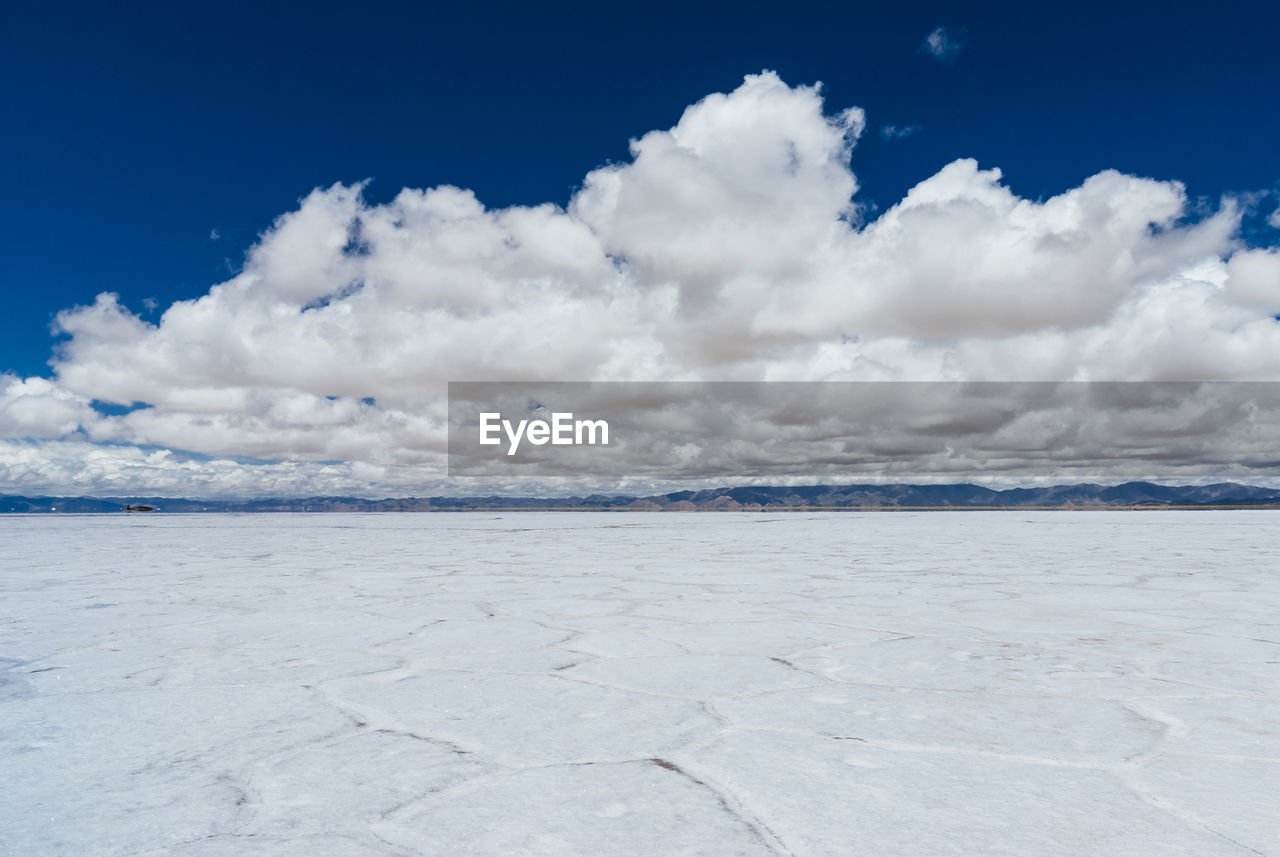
1143 494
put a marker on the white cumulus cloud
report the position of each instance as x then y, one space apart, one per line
38 407
730 246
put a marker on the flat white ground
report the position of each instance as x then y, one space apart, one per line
1003 683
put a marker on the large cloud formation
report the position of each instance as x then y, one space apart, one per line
730 247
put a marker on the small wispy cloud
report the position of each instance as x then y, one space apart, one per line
897 132
1274 219
944 43
214 235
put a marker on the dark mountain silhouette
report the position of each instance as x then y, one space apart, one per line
961 496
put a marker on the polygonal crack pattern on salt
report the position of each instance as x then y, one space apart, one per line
1018 683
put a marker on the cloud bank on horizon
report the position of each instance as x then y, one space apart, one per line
730 247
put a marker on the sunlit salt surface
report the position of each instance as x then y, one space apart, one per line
1007 683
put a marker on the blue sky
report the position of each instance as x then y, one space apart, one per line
273 232
134 133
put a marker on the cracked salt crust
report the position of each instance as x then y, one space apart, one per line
552 684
